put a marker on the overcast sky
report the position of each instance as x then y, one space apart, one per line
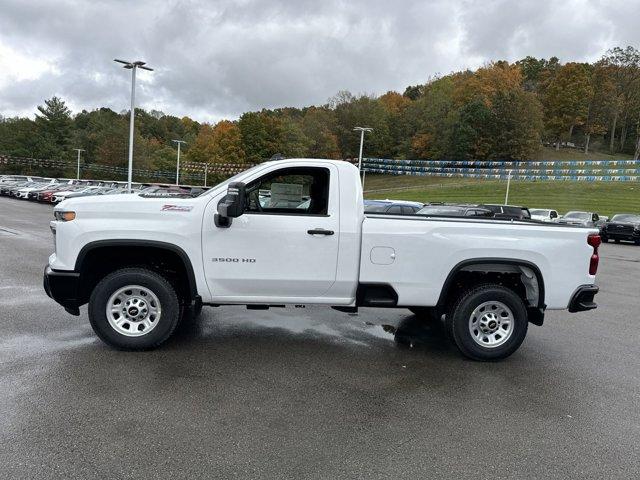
217 59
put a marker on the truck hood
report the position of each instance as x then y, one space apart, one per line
128 204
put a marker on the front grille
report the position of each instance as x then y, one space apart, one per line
617 228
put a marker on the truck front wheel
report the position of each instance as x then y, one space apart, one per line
488 322
133 309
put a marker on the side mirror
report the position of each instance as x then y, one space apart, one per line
232 205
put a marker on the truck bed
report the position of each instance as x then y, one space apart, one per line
416 253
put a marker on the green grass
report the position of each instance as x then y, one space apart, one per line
548 153
606 198
377 182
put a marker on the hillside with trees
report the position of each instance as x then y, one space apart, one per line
500 111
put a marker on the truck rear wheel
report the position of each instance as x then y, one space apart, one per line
134 309
488 322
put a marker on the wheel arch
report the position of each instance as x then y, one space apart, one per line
534 289
150 250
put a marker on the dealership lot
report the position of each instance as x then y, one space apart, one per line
311 393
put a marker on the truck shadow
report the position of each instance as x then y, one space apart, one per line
407 332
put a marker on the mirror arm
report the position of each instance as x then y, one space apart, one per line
221 221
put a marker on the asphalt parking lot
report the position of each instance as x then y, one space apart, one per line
311 393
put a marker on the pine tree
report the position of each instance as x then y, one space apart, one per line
54 128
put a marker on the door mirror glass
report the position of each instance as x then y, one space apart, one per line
233 204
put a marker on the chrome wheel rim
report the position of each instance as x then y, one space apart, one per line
133 311
491 324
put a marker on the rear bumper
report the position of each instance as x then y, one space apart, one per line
63 288
582 299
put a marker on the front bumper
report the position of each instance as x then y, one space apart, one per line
613 235
63 288
582 299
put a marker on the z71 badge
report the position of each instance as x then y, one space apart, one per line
177 208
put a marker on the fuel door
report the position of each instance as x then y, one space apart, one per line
383 255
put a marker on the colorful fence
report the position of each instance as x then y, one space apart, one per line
499 170
565 170
188 171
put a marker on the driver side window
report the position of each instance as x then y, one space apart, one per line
292 191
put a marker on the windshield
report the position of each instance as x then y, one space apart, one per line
626 217
577 215
539 212
233 179
375 207
441 210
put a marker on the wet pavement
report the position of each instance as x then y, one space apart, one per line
311 392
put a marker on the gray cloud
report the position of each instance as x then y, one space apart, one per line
218 59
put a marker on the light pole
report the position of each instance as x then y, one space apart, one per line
506 197
133 66
361 130
179 142
78 172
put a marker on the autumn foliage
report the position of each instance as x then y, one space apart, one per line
501 110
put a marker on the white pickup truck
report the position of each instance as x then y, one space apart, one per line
295 232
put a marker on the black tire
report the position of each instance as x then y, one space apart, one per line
604 239
617 240
155 283
457 322
426 314
637 242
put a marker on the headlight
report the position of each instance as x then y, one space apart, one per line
64 216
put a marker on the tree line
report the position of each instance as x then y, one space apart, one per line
502 111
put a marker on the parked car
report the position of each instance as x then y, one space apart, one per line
23 193
397 207
116 191
46 194
5 186
33 193
61 195
583 219
143 263
623 226
88 192
18 178
544 214
455 211
9 188
164 191
508 211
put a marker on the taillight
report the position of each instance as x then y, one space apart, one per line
594 240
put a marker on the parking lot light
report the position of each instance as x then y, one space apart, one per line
361 130
133 66
179 142
506 197
78 172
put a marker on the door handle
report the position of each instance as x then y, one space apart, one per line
320 231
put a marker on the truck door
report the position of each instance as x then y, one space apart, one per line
284 245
